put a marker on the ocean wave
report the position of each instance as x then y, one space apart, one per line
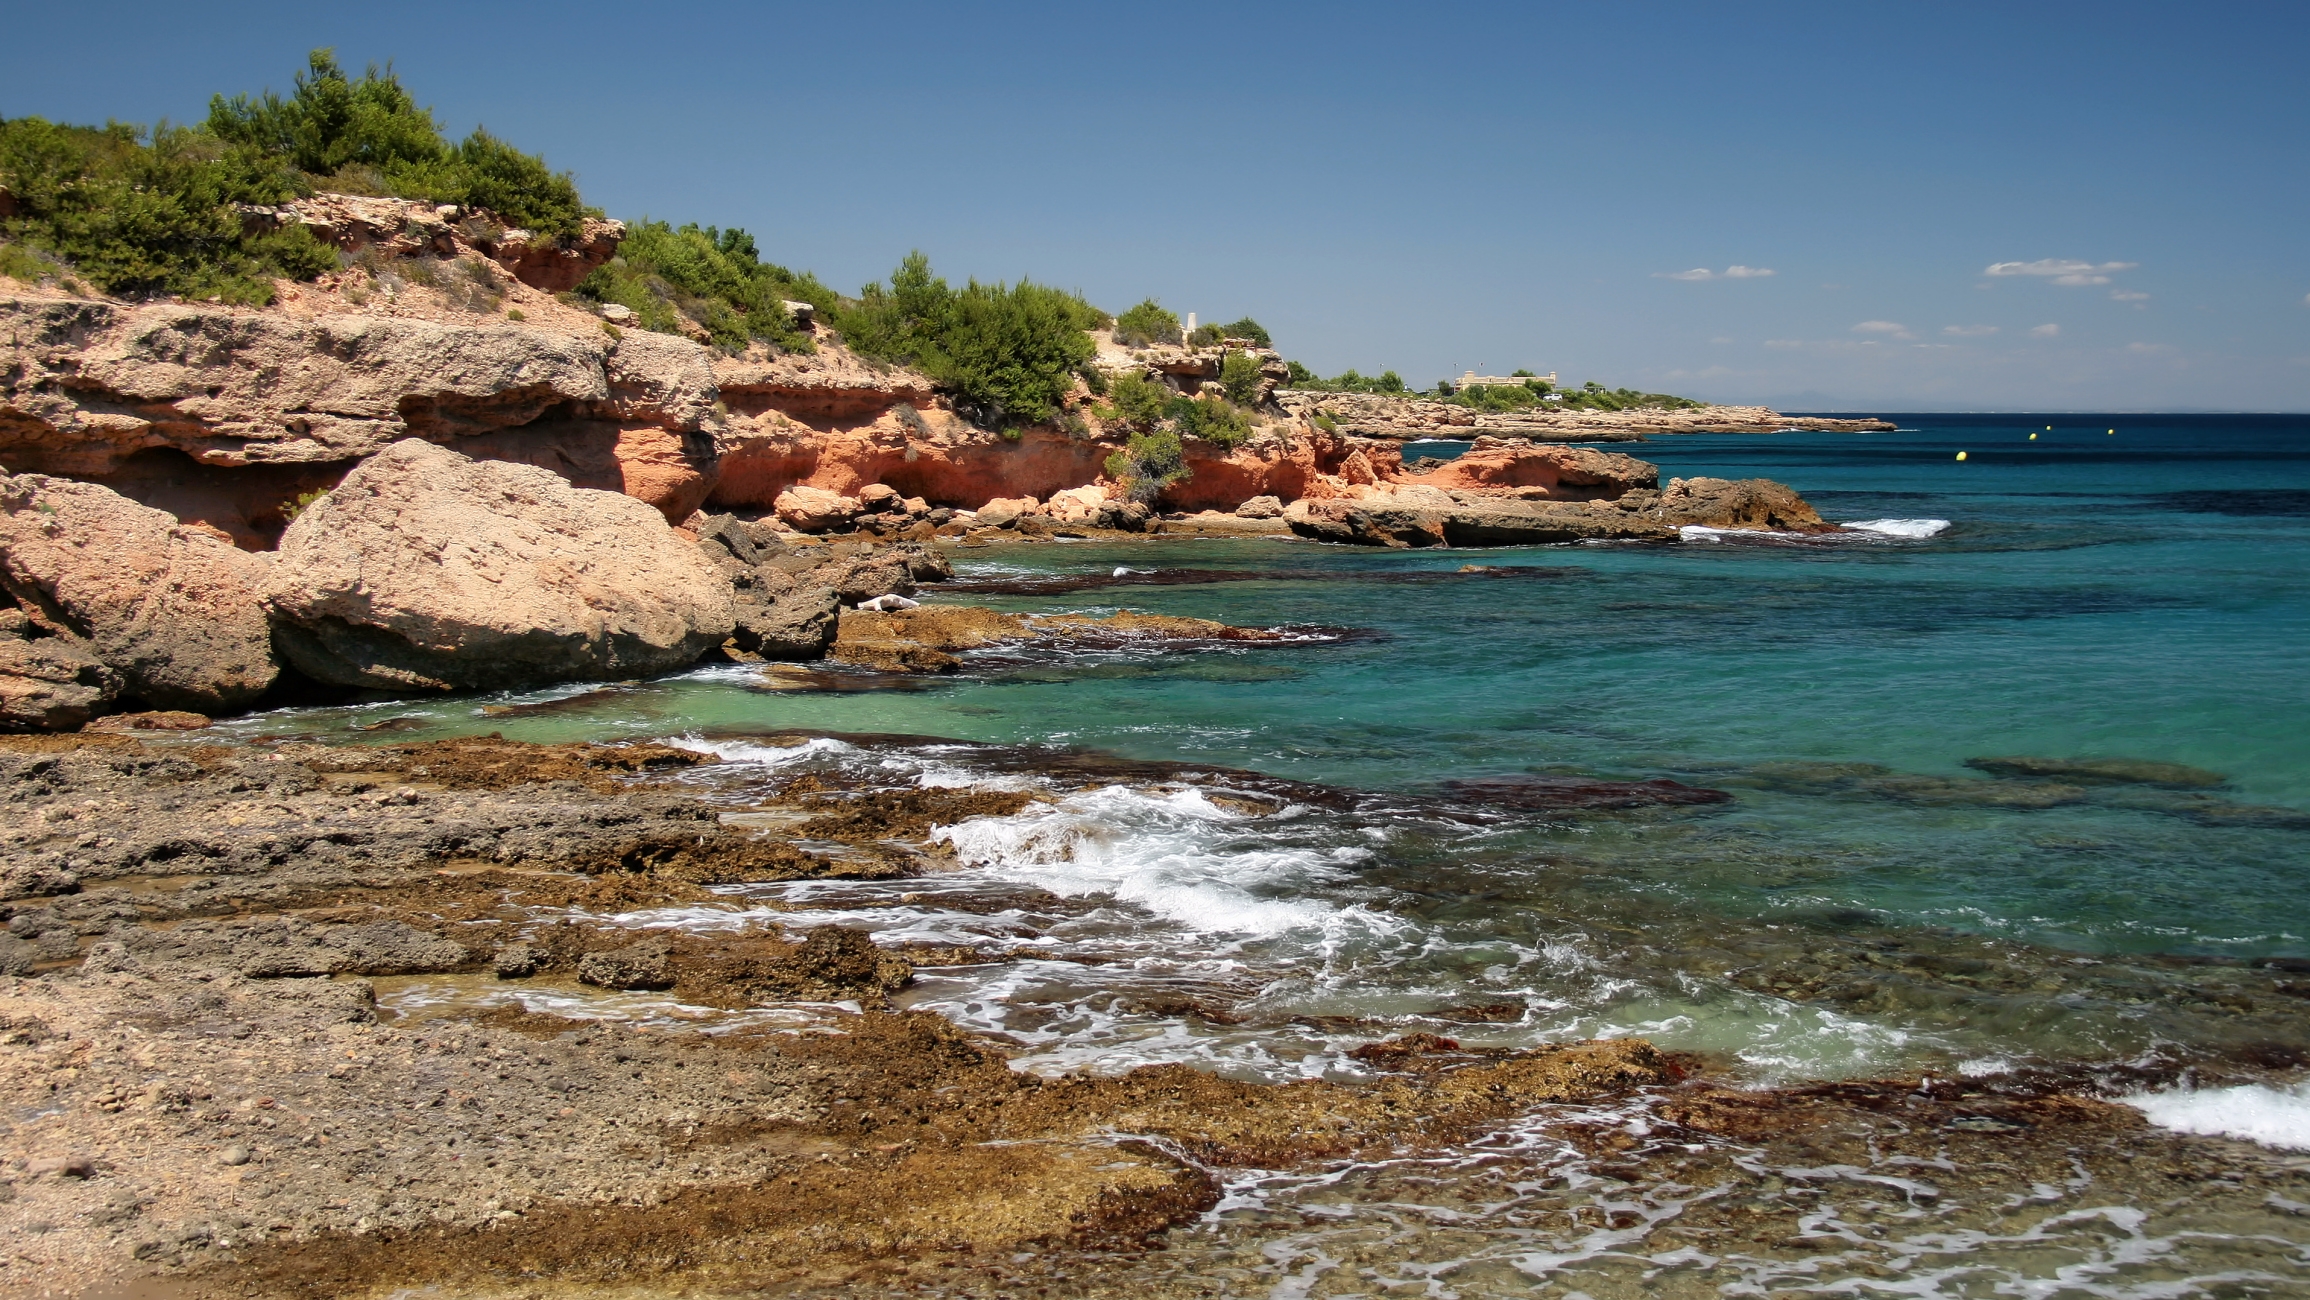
1174 853
1908 528
2252 1112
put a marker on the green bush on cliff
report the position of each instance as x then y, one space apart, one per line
713 278
1348 381
137 212
1239 375
371 135
1146 324
1593 396
1494 397
1137 400
1212 419
1148 463
152 212
1007 353
1300 376
1248 330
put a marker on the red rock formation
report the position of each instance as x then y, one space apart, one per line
1564 473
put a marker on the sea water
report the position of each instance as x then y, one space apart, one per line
1286 859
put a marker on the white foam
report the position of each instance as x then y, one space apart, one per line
1170 852
1910 528
1703 533
2254 1112
744 751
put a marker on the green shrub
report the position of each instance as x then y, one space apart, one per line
152 213
1204 336
1148 463
1593 396
1007 353
1494 397
1249 330
1146 324
1301 376
1239 375
713 277
1137 400
141 212
1212 419
370 135
1324 422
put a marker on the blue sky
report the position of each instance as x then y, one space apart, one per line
1425 187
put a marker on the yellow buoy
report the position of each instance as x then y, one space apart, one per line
2033 437
2049 428
2113 433
1960 455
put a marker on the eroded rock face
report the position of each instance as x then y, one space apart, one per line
426 570
171 609
49 681
1563 473
1737 503
95 389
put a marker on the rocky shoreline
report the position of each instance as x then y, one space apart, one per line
255 1011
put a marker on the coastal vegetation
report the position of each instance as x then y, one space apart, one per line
1007 353
1145 325
712 277
1148 463
182 210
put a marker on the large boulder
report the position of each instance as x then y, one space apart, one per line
815 510
425 570
1749 503
49 681
172 609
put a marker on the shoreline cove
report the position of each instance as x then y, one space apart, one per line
1182 916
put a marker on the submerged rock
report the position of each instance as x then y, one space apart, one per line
2100 770
924 638
172 610
425 570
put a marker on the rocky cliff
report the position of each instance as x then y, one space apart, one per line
1376 415
436 469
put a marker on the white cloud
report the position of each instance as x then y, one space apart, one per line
2127 295
1969 331
2062 270
2147 347
2046 332
1893 328
1734 272
1784 343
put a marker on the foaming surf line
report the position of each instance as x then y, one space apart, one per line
2252 1112
1911 529
1873 530
1165 852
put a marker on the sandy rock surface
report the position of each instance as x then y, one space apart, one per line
172 610
424 570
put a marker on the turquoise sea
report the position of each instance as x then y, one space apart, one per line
1254 858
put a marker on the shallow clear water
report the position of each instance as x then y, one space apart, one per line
1864 902
1254 858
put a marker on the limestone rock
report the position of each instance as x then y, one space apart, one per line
49 681
1743 503
173 610
87 384
797 623
1261 507
644 965
814 510
1003 512
426 570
